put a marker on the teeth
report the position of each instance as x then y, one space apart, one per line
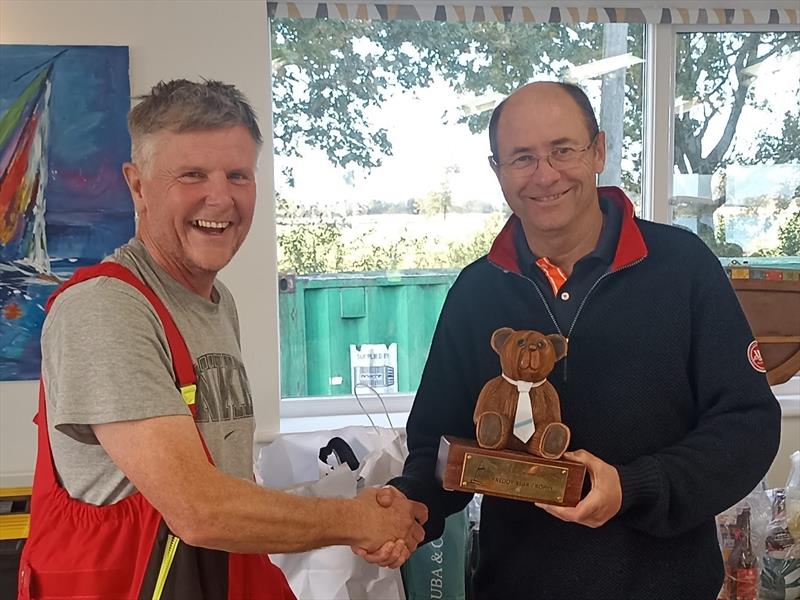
211 224
553 197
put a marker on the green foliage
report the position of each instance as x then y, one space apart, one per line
713 69
462 254
784 148
388 256
311 242
789 236
435 203
308 240
380 207
716 240
327 72
721 233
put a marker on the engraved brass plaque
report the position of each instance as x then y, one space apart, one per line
520 479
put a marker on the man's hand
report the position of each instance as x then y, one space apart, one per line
601 503
395 552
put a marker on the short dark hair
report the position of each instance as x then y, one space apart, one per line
182 105
575 92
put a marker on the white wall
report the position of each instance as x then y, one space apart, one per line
790 434
169 39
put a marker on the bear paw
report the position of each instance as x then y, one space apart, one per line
491 431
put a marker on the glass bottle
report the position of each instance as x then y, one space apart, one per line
793 497
747 568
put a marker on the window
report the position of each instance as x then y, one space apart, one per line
736 178
383 185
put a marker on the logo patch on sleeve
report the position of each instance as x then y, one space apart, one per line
755 358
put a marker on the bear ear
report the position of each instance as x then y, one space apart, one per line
559 345
500 337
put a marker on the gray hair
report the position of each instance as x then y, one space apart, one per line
181 105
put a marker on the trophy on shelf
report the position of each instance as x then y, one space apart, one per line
519 434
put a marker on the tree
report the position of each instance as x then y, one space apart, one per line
717 71
785 147
789 236
308 240
435 203
327 72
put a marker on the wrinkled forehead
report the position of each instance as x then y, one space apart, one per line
223 144
540 117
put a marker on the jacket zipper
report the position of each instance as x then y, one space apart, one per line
583 303
580 307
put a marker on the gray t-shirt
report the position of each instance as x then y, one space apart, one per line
105 359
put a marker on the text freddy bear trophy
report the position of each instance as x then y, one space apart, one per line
519 434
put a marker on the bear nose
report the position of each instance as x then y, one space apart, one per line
530 358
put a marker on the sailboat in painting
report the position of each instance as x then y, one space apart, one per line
23 178
63 202
25 273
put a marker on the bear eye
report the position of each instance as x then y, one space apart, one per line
521 343
540 344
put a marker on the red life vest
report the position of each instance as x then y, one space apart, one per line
125 551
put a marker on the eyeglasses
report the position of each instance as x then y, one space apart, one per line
562 157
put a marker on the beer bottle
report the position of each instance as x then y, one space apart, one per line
747 568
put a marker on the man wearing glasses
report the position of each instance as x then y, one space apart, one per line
671 418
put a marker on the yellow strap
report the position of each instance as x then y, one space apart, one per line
188 392
166 563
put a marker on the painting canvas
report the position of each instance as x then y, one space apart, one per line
63 200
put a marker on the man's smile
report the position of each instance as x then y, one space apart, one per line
213 227
549 198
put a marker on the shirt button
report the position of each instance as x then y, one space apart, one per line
565 296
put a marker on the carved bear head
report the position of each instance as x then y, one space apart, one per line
528 355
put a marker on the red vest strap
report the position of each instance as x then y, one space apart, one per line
181 359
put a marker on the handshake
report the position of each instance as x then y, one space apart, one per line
390 526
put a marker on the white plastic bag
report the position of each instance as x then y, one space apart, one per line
292 463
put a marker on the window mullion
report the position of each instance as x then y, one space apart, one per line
658 121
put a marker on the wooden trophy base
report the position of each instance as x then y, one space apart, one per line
464 466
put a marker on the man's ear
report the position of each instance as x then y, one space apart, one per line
133 177
500 337
559 345
600 152
494 167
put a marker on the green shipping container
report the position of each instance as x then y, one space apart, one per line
321 316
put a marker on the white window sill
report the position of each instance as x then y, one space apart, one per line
334 412
300 424
316 414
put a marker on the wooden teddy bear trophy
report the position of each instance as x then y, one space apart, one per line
519 409
519 434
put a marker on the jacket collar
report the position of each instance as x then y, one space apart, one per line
630 246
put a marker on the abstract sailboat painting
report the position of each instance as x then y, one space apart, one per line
63 201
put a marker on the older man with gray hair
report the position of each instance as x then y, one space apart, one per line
143 484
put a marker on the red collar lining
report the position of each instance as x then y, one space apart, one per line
630 246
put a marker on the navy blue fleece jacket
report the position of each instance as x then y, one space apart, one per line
657 382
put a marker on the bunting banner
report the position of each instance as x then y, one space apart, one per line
522 13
